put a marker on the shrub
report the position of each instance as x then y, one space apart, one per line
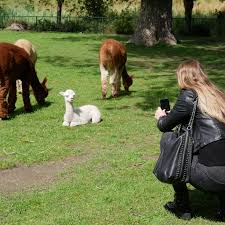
219 28
200 26
83 24
201 30
95 7
71 26
44 25
125 22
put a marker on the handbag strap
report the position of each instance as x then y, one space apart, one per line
190 124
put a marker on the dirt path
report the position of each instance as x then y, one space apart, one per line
24 178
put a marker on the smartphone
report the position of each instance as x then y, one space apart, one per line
165 104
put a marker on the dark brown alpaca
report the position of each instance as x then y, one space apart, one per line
15 64
112 60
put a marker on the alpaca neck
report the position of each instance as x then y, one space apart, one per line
38 90
69 108
33 76
124 73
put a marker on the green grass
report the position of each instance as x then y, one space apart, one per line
115 185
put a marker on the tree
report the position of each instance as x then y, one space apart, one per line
59 11
95 7
188 6
155 23
59 8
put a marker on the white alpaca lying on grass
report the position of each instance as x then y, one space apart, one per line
81 115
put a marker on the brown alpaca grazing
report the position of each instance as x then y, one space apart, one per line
112 60
16 64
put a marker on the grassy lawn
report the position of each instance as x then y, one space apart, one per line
115 184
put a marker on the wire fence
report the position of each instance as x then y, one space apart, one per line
74 24
5 20
101 24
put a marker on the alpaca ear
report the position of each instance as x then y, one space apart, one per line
61 93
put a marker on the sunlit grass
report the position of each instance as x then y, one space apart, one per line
115 185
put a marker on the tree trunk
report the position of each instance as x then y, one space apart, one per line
59 11
155 23
188 6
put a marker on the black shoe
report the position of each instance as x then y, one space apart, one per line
181 212
220 216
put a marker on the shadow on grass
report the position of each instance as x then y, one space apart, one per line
162 62
158 63
68 62
122 94
204 205
91 37
35 108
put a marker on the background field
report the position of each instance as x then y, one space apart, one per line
114 184
119 18
36 7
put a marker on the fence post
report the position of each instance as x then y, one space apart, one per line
102 24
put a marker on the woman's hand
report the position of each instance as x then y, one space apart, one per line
159 113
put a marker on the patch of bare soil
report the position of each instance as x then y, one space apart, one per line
24 178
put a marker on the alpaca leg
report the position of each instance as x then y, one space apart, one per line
112 81
12 97
26 97
115 83
73 124
4 89
65 123
19 86
104 76
118 85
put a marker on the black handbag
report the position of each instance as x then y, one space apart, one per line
176 147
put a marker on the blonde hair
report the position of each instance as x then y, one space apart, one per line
211 100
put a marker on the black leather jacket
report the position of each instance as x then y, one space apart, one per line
205 129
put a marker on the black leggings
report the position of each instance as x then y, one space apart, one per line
181 192
211 179
205 178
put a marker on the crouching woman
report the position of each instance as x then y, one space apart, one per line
208 164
